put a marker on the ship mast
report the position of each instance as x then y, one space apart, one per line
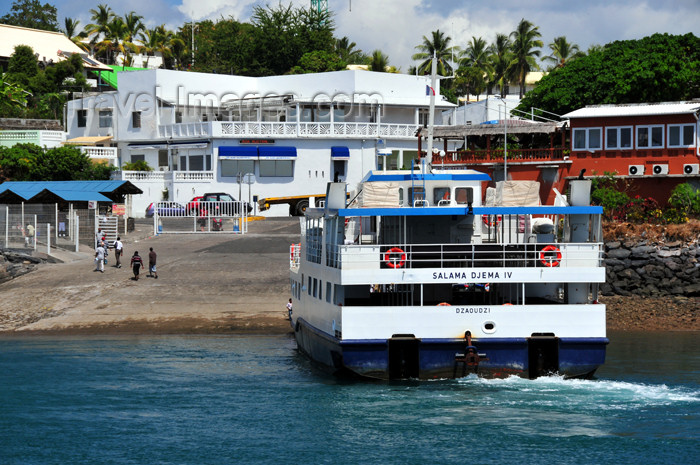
431 114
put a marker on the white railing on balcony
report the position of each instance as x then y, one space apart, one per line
185 130
175 176
36 136
293 130
109 153
140 175
203 176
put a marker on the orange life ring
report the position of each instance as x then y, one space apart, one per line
444 304
507 303
549 262
393 262
485 219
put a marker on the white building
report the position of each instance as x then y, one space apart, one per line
201 132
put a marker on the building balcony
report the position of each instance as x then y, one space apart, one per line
40 137
108 154
164 176
475 157
237 129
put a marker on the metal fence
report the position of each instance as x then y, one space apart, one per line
199 217
41 226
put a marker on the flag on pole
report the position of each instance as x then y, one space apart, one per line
428 90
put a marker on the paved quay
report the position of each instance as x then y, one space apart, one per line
207 283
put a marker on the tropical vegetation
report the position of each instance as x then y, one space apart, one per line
658 68
29 162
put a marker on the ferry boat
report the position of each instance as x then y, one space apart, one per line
417 278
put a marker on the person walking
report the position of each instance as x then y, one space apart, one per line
289 310
152 263
29 238
118 251
100 258
136 264
99 235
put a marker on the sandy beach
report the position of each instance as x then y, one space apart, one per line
214 283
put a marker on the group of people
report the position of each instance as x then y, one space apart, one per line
101 252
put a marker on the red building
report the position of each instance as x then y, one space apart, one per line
653 146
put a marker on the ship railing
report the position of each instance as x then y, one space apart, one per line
549 255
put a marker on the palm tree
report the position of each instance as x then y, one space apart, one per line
169 45
150 41
562 51
500 58
525 40
378 61
101 18
133 24
439 45
114 41
476 57
71 30
346 51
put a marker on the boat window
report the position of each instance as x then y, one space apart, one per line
308 288
441 196
320 290
463 194
315 287
415 193
328 292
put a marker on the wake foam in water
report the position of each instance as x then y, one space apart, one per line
604 394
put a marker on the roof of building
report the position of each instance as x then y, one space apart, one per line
111 77
491 129
635 109
67 191
50 46
88 140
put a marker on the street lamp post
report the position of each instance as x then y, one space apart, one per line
505 141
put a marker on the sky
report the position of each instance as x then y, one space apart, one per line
396 26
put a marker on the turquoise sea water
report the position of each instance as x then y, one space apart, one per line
253 399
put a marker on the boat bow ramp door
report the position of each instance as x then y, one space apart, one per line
543 355
404 353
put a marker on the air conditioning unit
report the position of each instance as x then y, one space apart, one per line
636 170
660 169
691 168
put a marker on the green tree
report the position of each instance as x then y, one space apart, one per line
524 43
475 66
99 28
562 51
378 61
140 165
500 58
284 34
319 61
18 162
439 45
23 65
685 199
71 31
348 53
226 46
658 68
32 14
65 164
13 98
